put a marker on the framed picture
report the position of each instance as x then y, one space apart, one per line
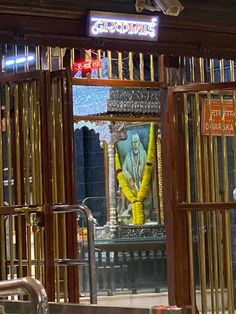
133 154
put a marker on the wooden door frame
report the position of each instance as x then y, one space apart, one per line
174 190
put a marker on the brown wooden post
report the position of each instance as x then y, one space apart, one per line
71 222
174 190
47 188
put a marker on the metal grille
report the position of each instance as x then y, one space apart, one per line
208 70
205 124
35 121
115 64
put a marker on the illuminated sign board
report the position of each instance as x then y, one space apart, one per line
86 66
124 26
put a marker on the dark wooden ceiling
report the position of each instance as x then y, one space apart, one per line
204 28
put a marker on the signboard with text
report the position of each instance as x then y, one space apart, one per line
218 119
87 66
123 26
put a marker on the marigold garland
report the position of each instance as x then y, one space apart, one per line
137 201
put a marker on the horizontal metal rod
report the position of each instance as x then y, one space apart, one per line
59 261
206 206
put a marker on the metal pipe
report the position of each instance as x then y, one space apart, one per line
152 71
91 244
109 64
141 67
188 199
33 287
131 66
99 57
120 66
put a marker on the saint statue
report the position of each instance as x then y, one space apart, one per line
133 169
134 164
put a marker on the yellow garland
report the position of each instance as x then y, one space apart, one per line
137 201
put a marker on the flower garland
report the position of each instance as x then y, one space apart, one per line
137 201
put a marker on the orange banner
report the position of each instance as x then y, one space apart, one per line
212 122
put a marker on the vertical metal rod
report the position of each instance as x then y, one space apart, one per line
188 194
11 245
18 175
226 213
213 199
221 259
27 172
131 66
9 150
37 254
26 52
60 144
219 227
99 57
15 53
2 225
141 66
232 74
9 173
186 70
200 215
152 70
91 250
57 268
120 66
208 214
26 142
202 69
208 222
65 255
49 58
38 142
35 185
212 70
192 69
32 144
72 58
109 64
61 177
36 188
222 71
61 57
54 151
37 119
229 271
38 58
3 248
